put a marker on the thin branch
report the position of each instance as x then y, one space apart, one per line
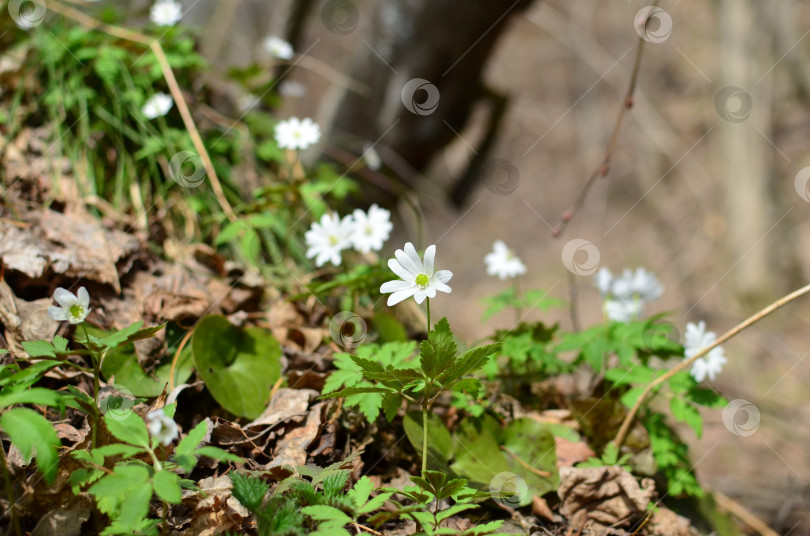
182 107
739 511
688 362
604 166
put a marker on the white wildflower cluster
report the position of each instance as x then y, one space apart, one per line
363 231
625 295
161 427
696 339
297 133
166 12
417 278
158 105
278 47
503 263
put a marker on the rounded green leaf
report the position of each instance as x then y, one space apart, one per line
239 366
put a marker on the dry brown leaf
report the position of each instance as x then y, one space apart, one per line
217 510
292 448
604 496
65 521
571 452
541 509
285 405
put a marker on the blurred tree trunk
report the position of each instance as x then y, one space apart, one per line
444 42
745 152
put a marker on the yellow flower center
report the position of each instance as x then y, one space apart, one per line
76 310
422 280
333 240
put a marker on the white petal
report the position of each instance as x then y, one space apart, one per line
400 295
409 259
430 257
395 286
441 287
84 297
401 271
442 276
57 313
64 298
430 292
419 295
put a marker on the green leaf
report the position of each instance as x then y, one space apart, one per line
357 391
322 512
34 395
39 348
388 327
249 491
440 443
167 486
30 431
468 362
438 351
239 367
391 404
686 412
128 428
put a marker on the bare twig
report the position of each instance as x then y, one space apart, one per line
739 511
171 81
688 362
604 166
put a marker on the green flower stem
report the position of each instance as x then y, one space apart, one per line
15 522
428 314
424 438
96 386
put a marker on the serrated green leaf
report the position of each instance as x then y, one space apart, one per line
128 428
29 431
39 348
438 352
249 491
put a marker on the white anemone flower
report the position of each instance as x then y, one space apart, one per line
166 12
371 229
72 308
161 427
327 239
295 133
418 279
622 310
158 105
604 280
502 262
697 338
278 47
625 295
